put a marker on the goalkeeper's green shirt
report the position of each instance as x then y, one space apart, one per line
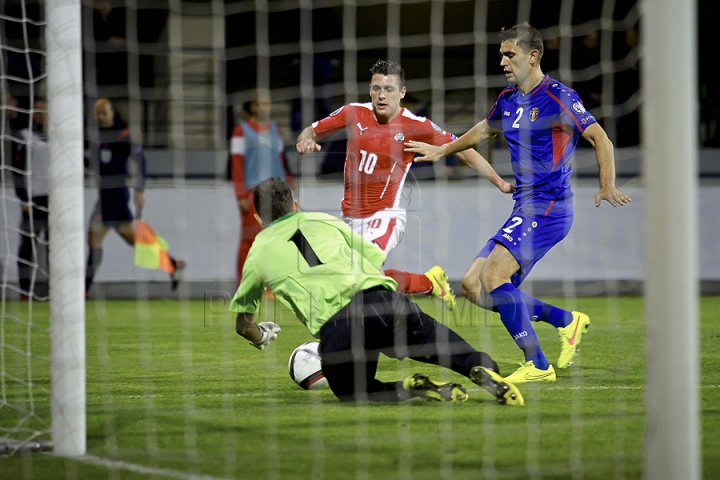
313 263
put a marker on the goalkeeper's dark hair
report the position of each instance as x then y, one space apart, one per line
273 199
384 67
525 37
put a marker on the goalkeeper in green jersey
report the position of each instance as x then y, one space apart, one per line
330 277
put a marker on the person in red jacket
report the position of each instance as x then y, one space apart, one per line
257 153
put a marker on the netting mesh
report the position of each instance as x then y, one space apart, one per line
178 72
24 327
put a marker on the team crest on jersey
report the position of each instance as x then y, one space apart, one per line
399 137
578 108
105 155
534 112
337 111
506 113
435 127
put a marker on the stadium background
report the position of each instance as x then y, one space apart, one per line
178 72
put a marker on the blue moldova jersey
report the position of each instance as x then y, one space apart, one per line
542 129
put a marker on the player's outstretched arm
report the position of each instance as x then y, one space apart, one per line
260 335
307 141
477 135
605 156
482 167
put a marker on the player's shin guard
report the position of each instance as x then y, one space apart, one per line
516 318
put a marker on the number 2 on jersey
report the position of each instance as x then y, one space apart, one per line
367 162
519 111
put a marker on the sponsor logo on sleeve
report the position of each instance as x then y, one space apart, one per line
337 111
435 127
506 113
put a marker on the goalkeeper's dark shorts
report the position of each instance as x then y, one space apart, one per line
380 321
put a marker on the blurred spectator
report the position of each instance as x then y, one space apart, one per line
257 150
627 84
551 55
323 72
109 34
586 54
31 179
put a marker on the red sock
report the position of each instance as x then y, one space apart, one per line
411 283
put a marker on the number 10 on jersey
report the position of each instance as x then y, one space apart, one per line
367 161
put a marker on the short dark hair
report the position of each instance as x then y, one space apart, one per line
384 67
527 37
273 199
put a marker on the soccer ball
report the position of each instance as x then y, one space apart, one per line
305 368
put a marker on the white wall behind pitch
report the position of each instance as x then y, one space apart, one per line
448 223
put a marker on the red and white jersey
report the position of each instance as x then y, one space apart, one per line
376 164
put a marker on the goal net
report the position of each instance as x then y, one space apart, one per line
172 391
24 327
42 338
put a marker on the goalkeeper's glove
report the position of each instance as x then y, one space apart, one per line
268 333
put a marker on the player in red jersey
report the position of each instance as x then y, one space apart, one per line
376 166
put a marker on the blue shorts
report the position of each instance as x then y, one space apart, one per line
530 232
112 208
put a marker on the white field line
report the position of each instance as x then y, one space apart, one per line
143 469
261 394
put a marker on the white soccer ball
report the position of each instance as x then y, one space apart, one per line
305 367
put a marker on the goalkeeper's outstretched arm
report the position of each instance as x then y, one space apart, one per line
259 334
246 327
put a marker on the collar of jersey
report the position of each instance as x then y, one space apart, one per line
278 220
535 89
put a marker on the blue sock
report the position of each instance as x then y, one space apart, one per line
544 312
516 318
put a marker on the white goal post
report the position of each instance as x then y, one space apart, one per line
67 300
670 152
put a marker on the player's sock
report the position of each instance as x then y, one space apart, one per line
516 318
544 312
93 262
411 283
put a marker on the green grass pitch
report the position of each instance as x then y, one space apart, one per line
173 392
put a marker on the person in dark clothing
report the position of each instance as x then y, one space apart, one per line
109 164
31 176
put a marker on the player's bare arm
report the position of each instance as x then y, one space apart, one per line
477 135
478 163
246 326
259 334
307 141
605 156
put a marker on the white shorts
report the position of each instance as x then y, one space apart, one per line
384 228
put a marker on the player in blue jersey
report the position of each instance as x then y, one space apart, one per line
542 120
109 164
